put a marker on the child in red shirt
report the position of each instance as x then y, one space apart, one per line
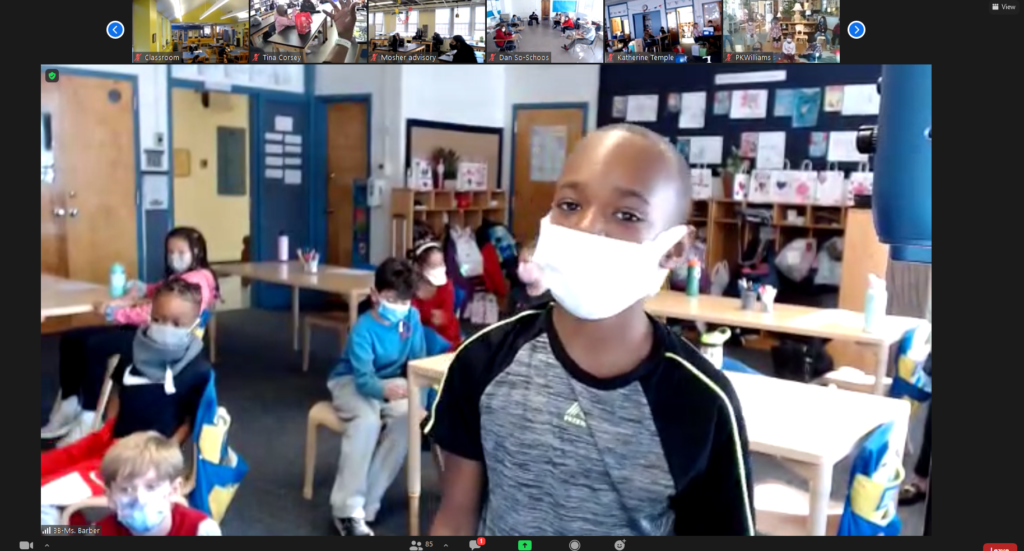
435 299
143 477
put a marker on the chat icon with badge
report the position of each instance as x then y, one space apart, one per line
477 543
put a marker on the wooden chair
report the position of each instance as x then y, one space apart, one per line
335 320
783 510
102 411
322 414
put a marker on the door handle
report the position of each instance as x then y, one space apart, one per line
59 212
73 213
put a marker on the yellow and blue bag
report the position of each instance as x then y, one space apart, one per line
218 469
875 479
913 380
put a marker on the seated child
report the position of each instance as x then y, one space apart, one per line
159 392
534 294
84 352
281 19
143 477
435 297
370 394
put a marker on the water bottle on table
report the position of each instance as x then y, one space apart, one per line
875 301
118 281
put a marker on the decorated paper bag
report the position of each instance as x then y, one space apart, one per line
781 184
490 309
831 190
804 182
760 186
741 182
702 184
861 183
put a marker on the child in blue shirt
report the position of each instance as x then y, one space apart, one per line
369 392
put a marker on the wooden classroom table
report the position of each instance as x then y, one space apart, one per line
290 39
810 427
834 324
352 283
66 297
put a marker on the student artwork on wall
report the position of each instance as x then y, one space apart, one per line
619 107
818 145
706 150
806 105
692 109
748 145
749 104
833 99
547 152
721 103
784 98
842 148
642 108
861 99
683 147
771 150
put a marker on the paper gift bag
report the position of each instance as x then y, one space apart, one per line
741 182
490 309
781 190
804 182
760 187
422 175
831 190
472 177
701 181
861 183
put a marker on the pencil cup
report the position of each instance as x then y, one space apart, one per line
767 307
312 266
748 299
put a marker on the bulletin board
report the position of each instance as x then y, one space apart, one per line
622 80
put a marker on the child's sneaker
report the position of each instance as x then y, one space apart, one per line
80 428
352 527
62 420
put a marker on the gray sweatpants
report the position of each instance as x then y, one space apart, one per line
373 448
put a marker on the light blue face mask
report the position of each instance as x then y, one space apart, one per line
391 312
179 262
143 518
170 336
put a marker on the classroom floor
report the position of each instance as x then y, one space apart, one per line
259 380
542 38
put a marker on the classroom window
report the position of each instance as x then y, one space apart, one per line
443 21
412 20
378 22
589 8
462 21
479 21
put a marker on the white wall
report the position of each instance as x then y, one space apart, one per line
469 94
547 84
152 92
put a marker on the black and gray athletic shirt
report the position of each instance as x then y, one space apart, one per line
661 450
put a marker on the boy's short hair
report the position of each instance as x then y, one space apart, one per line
398 276
138 454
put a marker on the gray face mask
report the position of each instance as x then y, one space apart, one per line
179 262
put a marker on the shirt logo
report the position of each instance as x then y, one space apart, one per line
574 415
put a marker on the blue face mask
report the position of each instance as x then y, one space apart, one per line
391 312
170 336
143 517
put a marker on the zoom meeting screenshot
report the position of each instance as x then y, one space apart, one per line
326 294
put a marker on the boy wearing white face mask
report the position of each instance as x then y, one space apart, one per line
589 417
369 392
84 352
160 391
143 475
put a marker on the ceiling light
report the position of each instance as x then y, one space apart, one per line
214 7
236 14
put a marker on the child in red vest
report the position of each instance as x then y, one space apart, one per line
143 478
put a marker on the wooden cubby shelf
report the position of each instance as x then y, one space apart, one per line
440 207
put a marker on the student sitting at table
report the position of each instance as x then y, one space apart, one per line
568 24
396 42
436 42
160 391
369 392
585 35
84 352
463 52
514 21
556 21
534 18
814 50
282 20
504 39
649 41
